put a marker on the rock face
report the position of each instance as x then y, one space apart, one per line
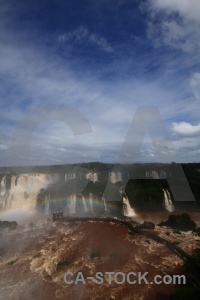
7 224
24 189
21 190
181 222
147 225
58 187
156 174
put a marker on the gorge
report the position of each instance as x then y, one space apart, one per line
90 190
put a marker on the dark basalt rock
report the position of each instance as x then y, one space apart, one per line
7 224
181 222
147 225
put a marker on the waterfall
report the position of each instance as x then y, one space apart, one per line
84 204
105 205
3 194
72 205
23 189
152 174
91 203
128 210
47 209
3 185
92 176
115 176
70 208
9 201
167 201
95 177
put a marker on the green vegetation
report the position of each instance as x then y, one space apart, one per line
186 293
148 242
197 231
113 254
132 233
193 264
12 262
62 264
146 194
95 254
192 289
2 251
175 243
176 231
7 224
181 222
48 277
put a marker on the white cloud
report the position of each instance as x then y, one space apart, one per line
195 84
187 145
35 77
195 151
175 23
3 147
186 129
79 34
82 35
175 34
62 149
101 42
189 9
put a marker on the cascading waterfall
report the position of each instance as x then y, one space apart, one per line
3 193
92 176
9 201
115 176
71 207
47 208
91 203
105 205
84 204
167 201
128 210
3 185
21 191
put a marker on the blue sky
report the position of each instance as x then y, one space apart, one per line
105 59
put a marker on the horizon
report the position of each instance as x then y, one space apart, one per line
99 162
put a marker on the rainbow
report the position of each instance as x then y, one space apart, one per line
29 208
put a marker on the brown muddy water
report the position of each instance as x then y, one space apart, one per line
28 266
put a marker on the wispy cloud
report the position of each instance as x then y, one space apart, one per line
176 34
189 9
175 24
81 35
35 73
3 147
195 84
